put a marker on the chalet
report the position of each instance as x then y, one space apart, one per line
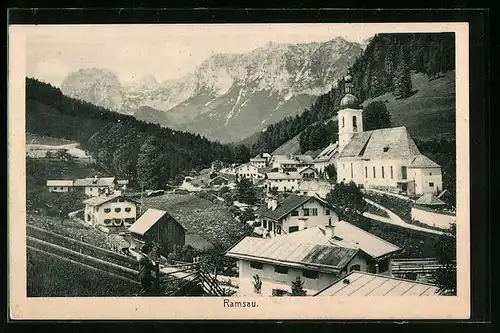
359 283
283 182
59 186
291 161
251 172
110 210
259 161
94 186
157 226
386 158
319 256
431 210
307 172
315 187
293 213
326 157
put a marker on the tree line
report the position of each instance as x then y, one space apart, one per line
121 144
384 66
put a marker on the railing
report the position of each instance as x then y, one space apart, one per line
417 265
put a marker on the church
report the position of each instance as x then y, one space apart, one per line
386 159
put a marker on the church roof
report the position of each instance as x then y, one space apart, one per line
349 100
385 143
421 161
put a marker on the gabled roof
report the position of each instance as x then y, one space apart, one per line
327 153
286 253
105 181
305 168
367 284
246 165
385 143
286 206
122 182
59 183
348 235
421 161
147 220
429 199
283 175
102 199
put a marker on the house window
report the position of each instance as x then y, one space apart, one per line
130 220
343 122
120 200
278 229
107 221
383 173
315 212
386 149
88 217
107 210
374 175
128 209
97 209
327 212
281 269
343 166
431 184
310 274
264 224
305 193
306 211
430 173
295 213
117 210
256 265
356 267
279 292
366 172
293 229
392 173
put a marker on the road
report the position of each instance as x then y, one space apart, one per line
396 220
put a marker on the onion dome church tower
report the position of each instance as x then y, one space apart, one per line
350 115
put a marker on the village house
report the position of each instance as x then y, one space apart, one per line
157 226
259 161
94 186
358 283
319 256
386 158
315 187
122 184
307 172
250 172
59 186
293 213
326 157
110 210
431 210
282 182
218 181
287 162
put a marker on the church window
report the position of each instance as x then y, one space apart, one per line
392 173
431 184
374 175
366 172
354 123
383 173
343 122
403 172
351 171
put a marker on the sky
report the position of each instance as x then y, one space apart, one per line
164 51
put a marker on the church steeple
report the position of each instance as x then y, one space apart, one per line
350 115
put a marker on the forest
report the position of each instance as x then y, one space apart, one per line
121 144
384 66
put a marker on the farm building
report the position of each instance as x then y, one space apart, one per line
59 186
157 226
94 186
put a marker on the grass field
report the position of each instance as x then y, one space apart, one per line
46 140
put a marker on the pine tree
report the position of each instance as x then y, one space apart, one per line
245 192
376 116
298 287
402 83
148 164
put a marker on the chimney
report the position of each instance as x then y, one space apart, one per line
272 203
330 229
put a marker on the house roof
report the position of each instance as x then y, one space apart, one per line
105 181
286 253
246 165
285 206
429 199
314 184
266 155
218 178
327 153
102 199
348 235
59 183
146 221
284 175
305 168
385 143
258 158
122 182
421 161
368 284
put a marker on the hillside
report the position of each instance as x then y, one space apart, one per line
428 114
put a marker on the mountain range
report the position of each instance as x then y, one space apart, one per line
228 97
